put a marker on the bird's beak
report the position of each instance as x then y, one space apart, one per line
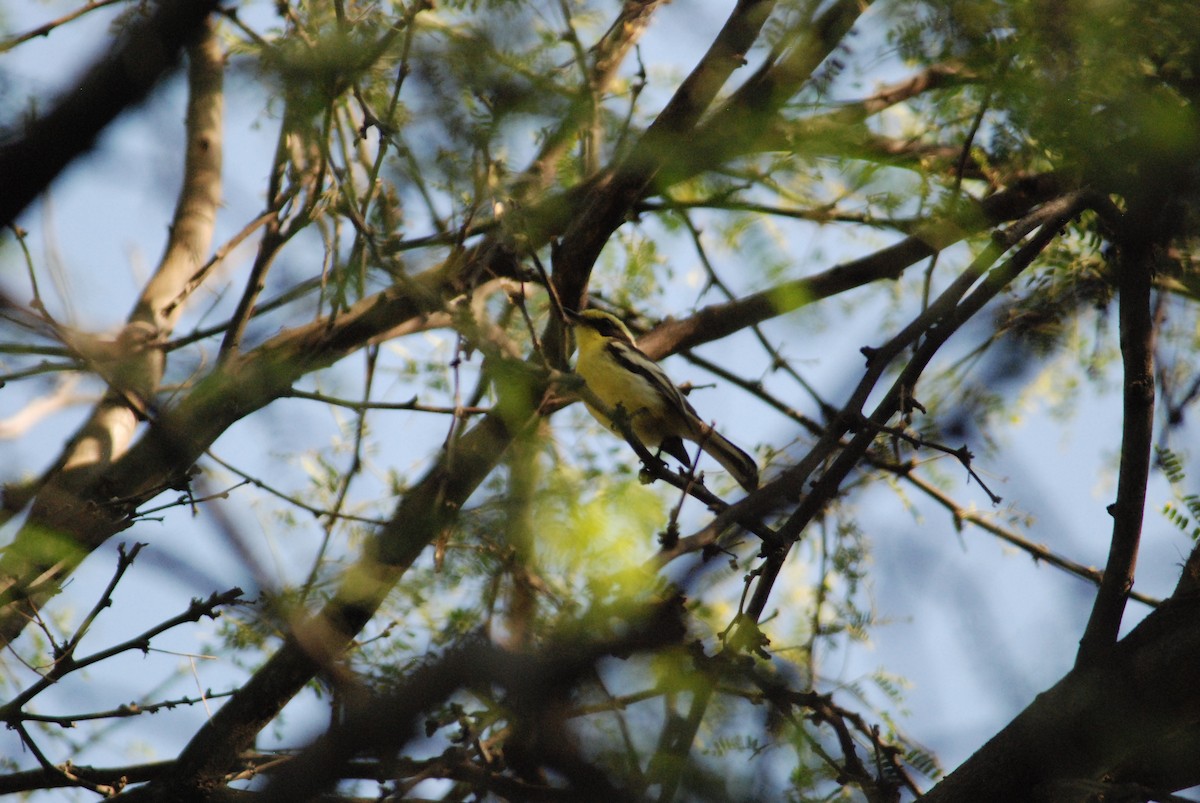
572 315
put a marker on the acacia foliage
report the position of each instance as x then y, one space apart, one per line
470 592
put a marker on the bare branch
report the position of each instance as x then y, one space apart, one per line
1137 353
47 27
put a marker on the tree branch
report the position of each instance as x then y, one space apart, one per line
718 320
123 78
934 326
1137 357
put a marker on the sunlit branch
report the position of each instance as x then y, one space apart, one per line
131 364
70 128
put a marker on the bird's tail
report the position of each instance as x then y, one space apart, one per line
736 462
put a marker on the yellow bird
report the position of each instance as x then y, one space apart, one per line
619 374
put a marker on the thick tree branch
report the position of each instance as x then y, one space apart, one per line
135 373
247 381
536 684
614 192
146 52
254 379
1105 713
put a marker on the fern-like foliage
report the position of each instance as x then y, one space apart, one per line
1184 508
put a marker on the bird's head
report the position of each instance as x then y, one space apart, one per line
601 323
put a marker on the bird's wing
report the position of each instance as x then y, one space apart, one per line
633 360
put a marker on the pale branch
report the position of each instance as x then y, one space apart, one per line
99 503
64 395
185 260
936 76
136 368
171 308
146 51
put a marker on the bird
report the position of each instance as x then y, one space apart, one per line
620 375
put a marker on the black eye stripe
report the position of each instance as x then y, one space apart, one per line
615 331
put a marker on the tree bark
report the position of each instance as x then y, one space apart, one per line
1110 716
